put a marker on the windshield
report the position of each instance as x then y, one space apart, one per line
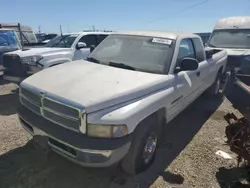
62 41
8 38
233 38
140 53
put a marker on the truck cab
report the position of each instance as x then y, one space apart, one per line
233 35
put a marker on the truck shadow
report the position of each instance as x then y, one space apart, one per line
29 167
8 104
234 177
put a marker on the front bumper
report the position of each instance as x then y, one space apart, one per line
16 78
12 78
75 146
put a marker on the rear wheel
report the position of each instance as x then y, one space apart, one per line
214 89
143 148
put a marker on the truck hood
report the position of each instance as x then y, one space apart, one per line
235 52
95 86
39 51
238 52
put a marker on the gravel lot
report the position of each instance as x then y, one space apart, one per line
187 159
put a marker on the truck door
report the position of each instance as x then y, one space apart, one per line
190 79
83 53
204 65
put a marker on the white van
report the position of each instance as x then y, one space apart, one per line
233 35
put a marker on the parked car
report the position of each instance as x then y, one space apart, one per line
48 37
233 35
112 108
61 49
8 42
44 38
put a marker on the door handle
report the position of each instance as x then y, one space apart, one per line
198 73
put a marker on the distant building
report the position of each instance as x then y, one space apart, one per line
204 36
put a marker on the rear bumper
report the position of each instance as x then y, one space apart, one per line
79 148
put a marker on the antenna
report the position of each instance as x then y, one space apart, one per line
61 30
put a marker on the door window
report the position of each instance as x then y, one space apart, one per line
186 49
89 40
199 49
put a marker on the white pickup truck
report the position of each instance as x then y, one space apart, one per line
112 107
20 64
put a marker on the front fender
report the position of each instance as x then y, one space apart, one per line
133 112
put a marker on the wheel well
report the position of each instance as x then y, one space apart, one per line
55 64
159 115
221 70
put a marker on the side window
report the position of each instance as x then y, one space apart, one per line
186 50
101 38
199 49
89 40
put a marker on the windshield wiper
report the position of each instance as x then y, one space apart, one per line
62 39
91 59
211 45
121 65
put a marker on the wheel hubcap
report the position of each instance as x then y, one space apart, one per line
149 148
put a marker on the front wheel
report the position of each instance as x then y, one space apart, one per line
143 148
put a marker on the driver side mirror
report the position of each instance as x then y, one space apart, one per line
189 64
81 45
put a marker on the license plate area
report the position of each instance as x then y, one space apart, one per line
62 147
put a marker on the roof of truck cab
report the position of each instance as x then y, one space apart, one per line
14 26
6 29
87 33
237 22
161 34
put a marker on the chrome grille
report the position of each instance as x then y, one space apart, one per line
55 111
61 108
12 61
35 108
34 97
63 121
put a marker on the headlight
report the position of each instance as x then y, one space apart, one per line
107 131
31 60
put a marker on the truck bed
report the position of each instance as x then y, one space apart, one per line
211 52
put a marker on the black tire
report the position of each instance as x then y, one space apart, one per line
214 89
134 162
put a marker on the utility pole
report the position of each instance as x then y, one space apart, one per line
93 28
39 29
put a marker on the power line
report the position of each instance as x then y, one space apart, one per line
178 12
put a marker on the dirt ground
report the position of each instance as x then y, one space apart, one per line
187 159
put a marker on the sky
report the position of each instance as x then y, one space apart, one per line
77 15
